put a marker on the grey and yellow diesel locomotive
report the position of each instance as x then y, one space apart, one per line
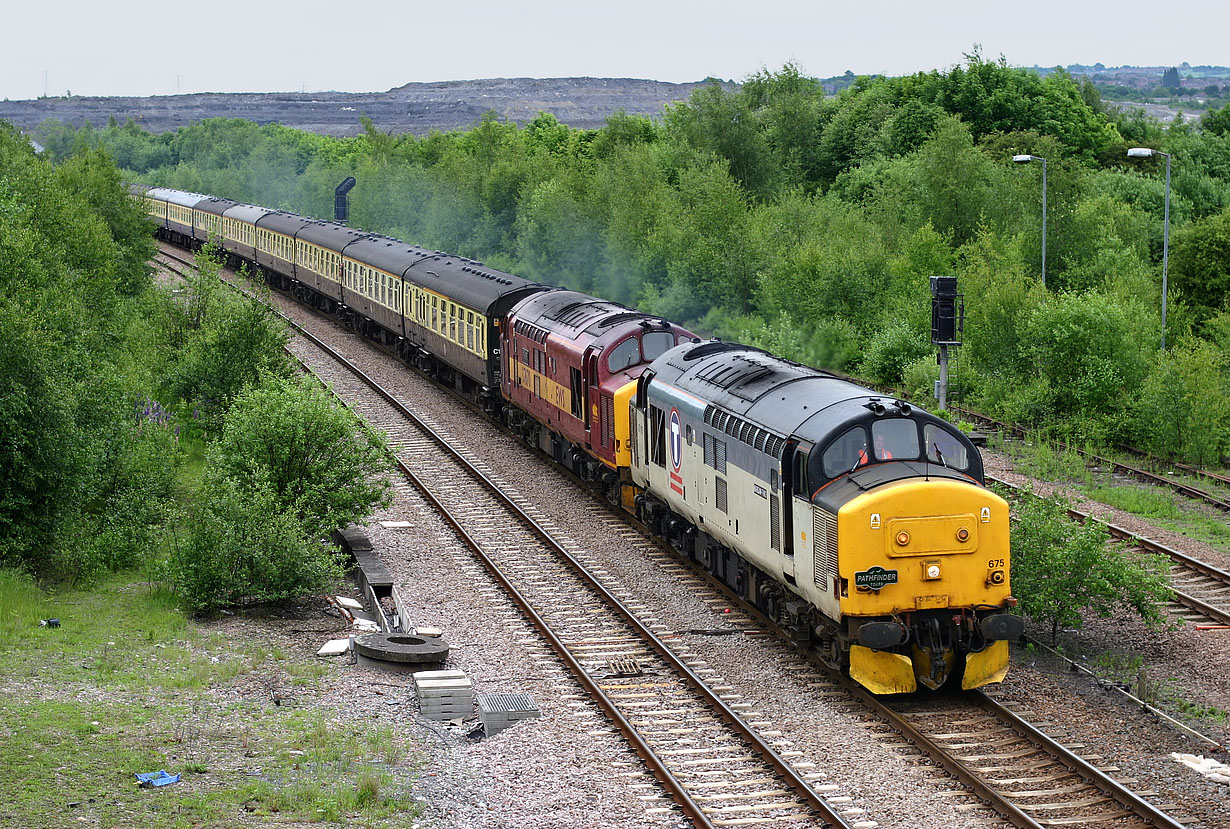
859 523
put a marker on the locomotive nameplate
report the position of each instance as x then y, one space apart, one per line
875 578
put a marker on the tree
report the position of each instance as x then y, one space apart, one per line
292 439
1063 570
1217 121
1170 78
1182 408
290 467
221 342
1200 260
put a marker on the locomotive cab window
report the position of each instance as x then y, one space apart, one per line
895 439
656 343
625 355
846 453
943 447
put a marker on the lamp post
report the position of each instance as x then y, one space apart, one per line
1025 159
1145 152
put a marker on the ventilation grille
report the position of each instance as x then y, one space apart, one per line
824 536
719 493
608 421
775 522
744 432
719 456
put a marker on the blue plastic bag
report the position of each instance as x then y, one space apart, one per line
157 778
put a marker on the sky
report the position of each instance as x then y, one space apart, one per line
137 47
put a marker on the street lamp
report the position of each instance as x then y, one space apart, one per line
1145 152
1025 159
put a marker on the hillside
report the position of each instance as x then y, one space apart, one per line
416 107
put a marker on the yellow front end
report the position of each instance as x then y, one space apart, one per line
924 550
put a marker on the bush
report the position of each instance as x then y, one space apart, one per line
243 546
1062 570
290 467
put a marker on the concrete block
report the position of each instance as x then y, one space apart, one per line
434 633
334 647
499 711
349 603
428 675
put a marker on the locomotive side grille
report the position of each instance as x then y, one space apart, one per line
824 534
775 522
719 456
608 421
719 493
709 454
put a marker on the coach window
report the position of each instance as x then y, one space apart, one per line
656 343
845 454
943 447
625 355
895 439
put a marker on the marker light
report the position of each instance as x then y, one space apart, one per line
963 534
903 538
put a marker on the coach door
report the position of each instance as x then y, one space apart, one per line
590 404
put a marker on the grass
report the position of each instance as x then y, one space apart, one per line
1161 506
128 684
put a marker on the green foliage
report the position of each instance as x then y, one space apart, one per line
774 213
67 375
221 342
1062 570
1217 121
314 457
290 467
891 350
244 546
1200 260
1182 409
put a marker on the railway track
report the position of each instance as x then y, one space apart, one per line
1029 778
715 758
698 740
1139 472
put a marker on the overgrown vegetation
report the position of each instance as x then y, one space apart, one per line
113 389
809 224
1063 570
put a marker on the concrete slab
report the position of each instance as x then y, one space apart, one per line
349 603
395 525
452 673
334 647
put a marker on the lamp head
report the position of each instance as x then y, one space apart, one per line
1023 159
1140 152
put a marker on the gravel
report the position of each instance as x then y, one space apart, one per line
565 769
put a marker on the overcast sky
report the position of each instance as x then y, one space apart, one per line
141 48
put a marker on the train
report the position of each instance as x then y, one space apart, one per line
857 522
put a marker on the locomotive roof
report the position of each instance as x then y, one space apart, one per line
782 396
571 313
